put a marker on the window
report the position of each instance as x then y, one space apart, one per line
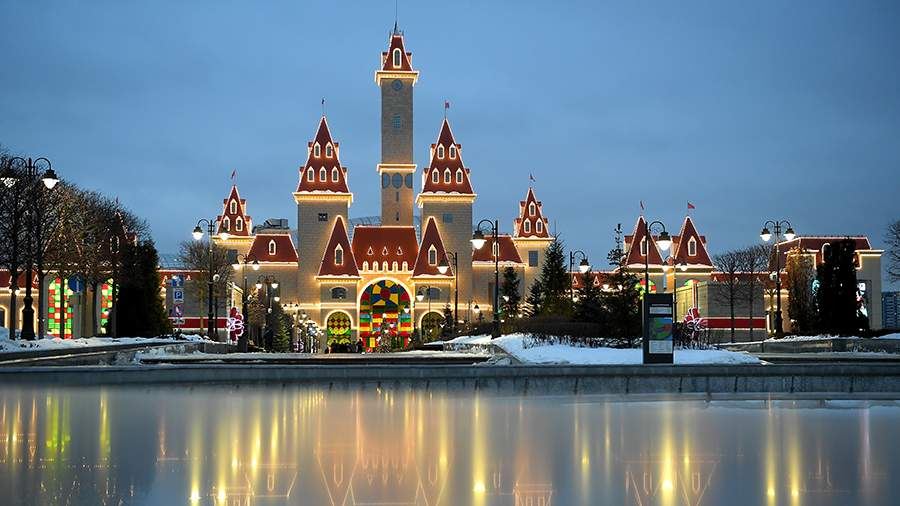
272 246
526 225
338 255
226 224
453 152
533 258
446 175
317 151
644 246
239 224
396 122
447 218
397 57
310 175
233 206
394 266
531 209
329 151
365 265
539 226
334 174
432 255
441 152
397 216
459 176
323 174
323 216
434 176
433 293
692 247
339 293
396 196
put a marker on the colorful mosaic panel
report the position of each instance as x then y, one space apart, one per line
105 303
53 306
339 328
382 309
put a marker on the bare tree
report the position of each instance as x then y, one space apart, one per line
729 264
195 256
754 264
892 238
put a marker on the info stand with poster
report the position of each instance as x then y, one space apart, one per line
658 342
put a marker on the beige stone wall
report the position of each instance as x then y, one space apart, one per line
457 237
329 306
313 237
870 271
524 246
397 143
396 203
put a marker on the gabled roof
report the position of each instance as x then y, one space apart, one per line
330 183
532 218
431 238
385 244
508 251
680 245
439 167
230 225
338 241
284 248
387 61
634 257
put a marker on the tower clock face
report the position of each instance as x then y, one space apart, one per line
397 85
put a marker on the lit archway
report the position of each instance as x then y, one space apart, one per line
431 326
384 311
338 327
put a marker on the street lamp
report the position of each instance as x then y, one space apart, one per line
10 178
271 284
766 235
664 242
242 261
443 267
478 242
198 235
583 267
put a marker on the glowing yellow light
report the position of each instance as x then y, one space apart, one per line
195 495
221 495
479 487
667 485
795 492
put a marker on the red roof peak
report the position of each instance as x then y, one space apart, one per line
446 172
634 255
322 171
273 248
338 259
689 246
396 58
389 248
234 219
431 252
531 221
506 249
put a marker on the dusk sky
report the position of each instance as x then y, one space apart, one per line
749 110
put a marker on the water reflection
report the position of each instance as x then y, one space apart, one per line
250 446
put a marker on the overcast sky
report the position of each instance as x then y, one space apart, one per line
750 110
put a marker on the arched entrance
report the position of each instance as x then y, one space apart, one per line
338 326
384 313
431 326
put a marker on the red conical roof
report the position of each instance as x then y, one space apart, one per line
323 154
234 218
338 242
387 59
681 246
531 212
446 172
431 238
633 241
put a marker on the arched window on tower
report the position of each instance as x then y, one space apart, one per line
446 175
334 174
397 57
272 247
644 247
531 209
453 152
692 247
226 224
233 207
338 255
459 176
441 152
310 175
435 177
329 151
526 225
317 151
432 255
539 226
239 224
323 174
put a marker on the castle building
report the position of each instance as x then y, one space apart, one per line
391 278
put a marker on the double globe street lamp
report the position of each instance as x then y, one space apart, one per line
241 264
766 235
664 241
478 241
583 267
198 235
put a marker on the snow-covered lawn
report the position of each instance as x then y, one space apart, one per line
9 346
824 337
515 345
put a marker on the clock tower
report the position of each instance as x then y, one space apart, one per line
396 79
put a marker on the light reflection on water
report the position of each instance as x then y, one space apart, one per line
248 446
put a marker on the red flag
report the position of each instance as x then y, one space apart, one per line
691 206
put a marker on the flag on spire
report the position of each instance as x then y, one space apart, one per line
531 177
642 205
691 206
233 174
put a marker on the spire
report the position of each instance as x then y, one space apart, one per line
446 172
431 252
402 60
633 242
338 260
690 246
531 221
322 171
234 219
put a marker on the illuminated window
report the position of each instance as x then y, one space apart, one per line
334 175
397 57
317 151
329 151
526 225
434 176
339 292
323 174
692 247
338 255
432 255
441 152
226 224
644 246
459 176
539 226
310 175
531 209
272 246
239 224
233 206
446 175
453 152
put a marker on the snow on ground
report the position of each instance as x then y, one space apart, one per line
55 343
514 344
889 336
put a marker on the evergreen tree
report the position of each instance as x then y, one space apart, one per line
836 292
798 278
588 307
140 310
509 291
281 329
447 330
555 282
535 299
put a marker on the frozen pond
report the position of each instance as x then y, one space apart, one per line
274 445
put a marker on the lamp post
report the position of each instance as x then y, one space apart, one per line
420 296
198 235
242 261
664 242
10 178
765 234
442 268
478 242
271 284
583 267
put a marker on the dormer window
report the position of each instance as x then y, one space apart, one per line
526 225
233 207
531 209
310 175
539 226
644 246
432 255
397 57
446 175
239 224
692 247
434 176
317 151
459 176
226 224
453 152
338 255
329 151
334 175
272 247
441 152
323 174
